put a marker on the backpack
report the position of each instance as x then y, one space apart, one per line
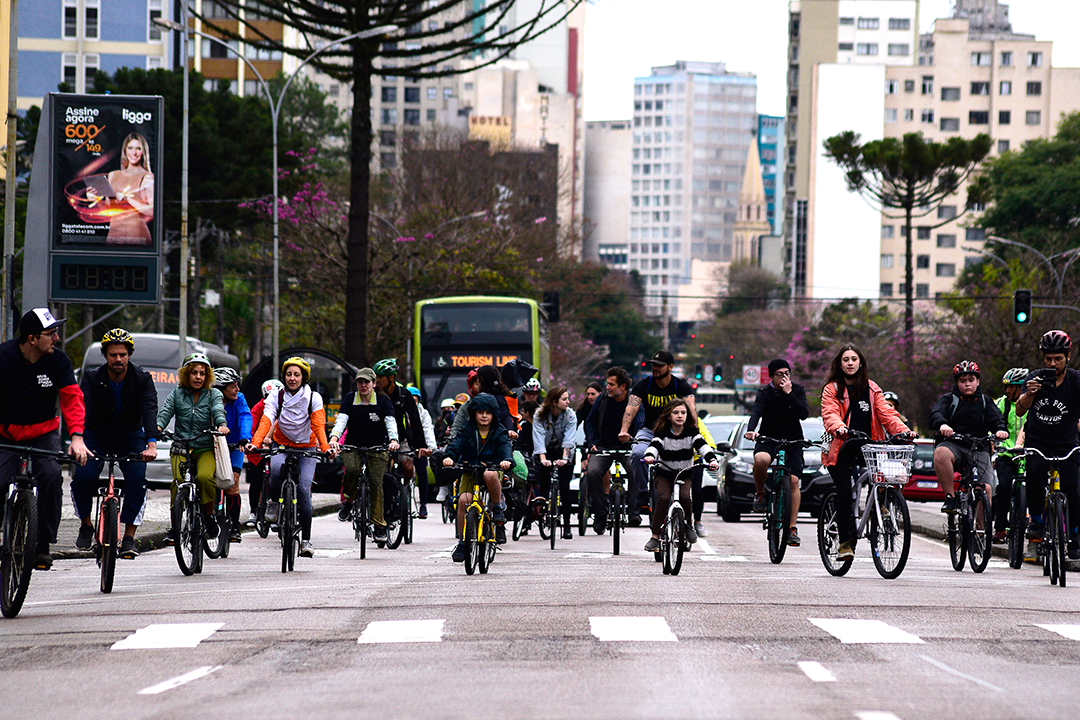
956 404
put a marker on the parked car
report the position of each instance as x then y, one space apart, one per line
735 494
923 484
720 427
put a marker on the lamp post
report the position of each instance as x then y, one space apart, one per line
275 112
1059 277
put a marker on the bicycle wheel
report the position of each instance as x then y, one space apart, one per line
395 526
188 531
487 541
678 539
955 534
447 508
520 508
615 517
553 513
261 525
891 540
776 517
1017 525
109 531
472 540
666 541
828 536
359 518
583 508
1061 538
407 514
218 546
981 537
286 525
17 558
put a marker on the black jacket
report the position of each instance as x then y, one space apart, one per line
138 403
779 413
408 417
976 416
594 423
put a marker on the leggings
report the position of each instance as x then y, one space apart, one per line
420 465
699 496
566 472
663 500
303 492
841 475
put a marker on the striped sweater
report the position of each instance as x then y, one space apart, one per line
677 451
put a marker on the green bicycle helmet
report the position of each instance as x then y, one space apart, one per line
1015 376
197 357
386 367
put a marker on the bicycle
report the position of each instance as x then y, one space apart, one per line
187 517
617 511
1017 527
18 546
583 509
776 522
970 529
478 534
530 507
360 514
673 542
108 533
551 518
884 520
398 506
262 525
218 547
1051 550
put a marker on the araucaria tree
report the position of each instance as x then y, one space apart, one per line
431 35
909 178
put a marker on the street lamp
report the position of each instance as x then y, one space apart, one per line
1059 277
275 112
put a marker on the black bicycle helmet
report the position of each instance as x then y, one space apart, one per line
966 367
1055 341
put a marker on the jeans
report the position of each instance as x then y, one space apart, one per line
47 478
84 482
303 489
638 480
664 486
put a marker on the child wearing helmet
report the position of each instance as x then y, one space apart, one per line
238 417
256 464
1005 463
968 411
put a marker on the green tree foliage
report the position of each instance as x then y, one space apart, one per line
910 176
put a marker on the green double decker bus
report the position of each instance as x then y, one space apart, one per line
453 335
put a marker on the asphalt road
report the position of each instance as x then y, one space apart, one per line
570 633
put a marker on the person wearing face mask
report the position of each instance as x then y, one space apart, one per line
850 400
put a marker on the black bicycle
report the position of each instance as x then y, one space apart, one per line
777 519
970 529
1051 548
673 542
187 516
616 509
288 523
18 546
360 514
108 533
1018 520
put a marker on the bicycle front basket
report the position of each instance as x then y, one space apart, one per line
889 463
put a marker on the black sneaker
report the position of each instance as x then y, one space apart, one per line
634 520
498 515
128 551
86 537
652 545
793 539
1035 531
759 502
500 534
459 552
236 537
345 511
691 534
599 524
210 526
43 561
379 534
951 505
567 534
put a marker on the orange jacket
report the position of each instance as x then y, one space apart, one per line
833 411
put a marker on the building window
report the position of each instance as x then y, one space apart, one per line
887 232
387 138
847 21
899 49
946 212
922 262
1035 59
890 115
1033 117
93 13
950 94
153 32
866 49
979 117
388 160
886 261
922 290
1005 87
412 94
433 93
447 93
1034 88
899 23
1003 146
927 116
950 124
922 233
389 116
1006 59
975 234
886 290
1004 117
981 59
946 241
980 88
846 47
389 94
945 270
927 84
869 23
909 114
90 69
71 19
891 86
154 62
909 86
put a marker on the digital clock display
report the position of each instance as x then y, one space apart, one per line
92 278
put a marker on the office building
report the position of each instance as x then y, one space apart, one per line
607 192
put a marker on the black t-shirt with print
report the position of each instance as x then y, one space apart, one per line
367 426
1053 416
656 398
31 389
860 412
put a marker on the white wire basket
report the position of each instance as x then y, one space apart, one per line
889 464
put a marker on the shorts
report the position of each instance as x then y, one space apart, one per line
963 458
467 482
793 457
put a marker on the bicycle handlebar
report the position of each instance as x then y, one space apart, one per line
171 435
286 450
898 439
973 440
364 450
37 452
1038 452
678 473
789 443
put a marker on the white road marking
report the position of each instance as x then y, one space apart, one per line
875 715
1072 632
864 631
331 553
180 680
448 552
816 671
705 546
588 555
168 635
402 631
957 673
631 629
725 558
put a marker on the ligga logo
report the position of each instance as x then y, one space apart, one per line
135 118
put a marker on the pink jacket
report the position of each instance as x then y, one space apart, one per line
833 411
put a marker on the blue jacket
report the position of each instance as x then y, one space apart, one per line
467 446
238 418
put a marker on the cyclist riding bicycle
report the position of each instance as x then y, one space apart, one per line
483 441
406 412
368 417
121 419
554 425
1051 400
421 463
968 411
602 428
35 374
531 391
239 419
256 463
196 406
298 419
779 406
1005 465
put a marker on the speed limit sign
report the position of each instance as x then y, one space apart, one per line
751 374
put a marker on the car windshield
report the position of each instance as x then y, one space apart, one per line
811 429
721 429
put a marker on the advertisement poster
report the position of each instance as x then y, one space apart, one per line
106 173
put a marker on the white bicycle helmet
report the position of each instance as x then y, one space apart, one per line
272 385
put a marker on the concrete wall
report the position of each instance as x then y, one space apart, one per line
607 185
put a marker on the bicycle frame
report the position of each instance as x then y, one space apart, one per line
1052 549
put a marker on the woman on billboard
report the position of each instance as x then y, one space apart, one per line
129 195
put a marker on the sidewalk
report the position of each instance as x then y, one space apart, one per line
928 520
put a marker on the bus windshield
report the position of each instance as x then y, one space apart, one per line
475 323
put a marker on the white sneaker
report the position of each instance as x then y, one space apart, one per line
251 520
444 491
699 528
306 550
272 512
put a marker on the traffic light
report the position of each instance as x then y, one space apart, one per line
698 372
1022 306
718 374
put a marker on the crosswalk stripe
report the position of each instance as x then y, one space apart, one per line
402 631
816 671
864 631
1072 632
168 635
180 680
875 715
631 629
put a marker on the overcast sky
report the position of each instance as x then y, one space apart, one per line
624 38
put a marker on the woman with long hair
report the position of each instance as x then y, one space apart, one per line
850 400
554 426
133 187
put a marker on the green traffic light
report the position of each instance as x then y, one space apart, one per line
1021 317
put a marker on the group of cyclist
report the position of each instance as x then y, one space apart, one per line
113 411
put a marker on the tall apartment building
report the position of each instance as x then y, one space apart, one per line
69 41
831 42
770 148
219 64
607 192
692 125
